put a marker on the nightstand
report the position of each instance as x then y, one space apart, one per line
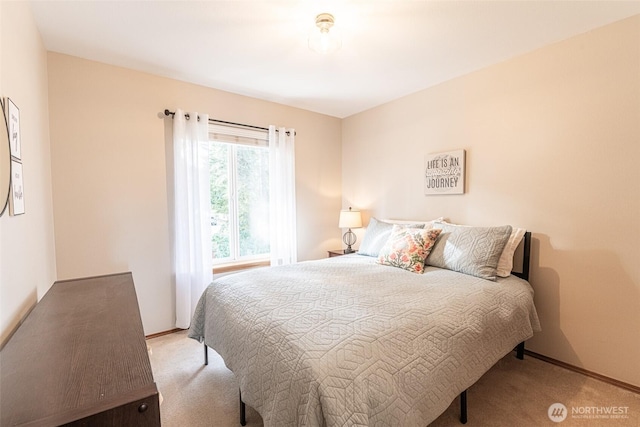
338 252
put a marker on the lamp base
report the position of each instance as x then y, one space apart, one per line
349 239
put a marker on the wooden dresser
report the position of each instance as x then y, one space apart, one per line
80 359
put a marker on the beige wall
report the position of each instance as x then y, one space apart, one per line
110 183
27 257
552 142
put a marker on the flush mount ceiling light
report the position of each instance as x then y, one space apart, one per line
322 41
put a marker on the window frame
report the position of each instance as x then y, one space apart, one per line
236 137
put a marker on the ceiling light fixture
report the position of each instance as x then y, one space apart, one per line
322 41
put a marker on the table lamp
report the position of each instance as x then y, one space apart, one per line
349 219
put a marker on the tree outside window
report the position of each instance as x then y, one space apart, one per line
239 201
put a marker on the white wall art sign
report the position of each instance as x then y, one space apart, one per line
444 173
13 119
17 189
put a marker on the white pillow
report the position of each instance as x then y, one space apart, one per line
404 222
469 250
505 263
376 235
378 231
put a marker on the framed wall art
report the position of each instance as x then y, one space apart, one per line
17 189
444 173
5 163
13 119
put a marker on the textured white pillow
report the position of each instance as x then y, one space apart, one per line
376 236
505 263
469 250
379 230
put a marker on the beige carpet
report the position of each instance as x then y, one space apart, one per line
513 393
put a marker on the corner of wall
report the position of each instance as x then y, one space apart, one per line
27 261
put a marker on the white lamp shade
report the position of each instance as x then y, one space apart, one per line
350 219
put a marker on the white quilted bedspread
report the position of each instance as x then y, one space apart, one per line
346 342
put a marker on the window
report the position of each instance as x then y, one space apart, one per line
239 166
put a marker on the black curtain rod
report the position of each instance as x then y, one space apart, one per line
186 115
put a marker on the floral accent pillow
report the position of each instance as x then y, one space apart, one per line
408 248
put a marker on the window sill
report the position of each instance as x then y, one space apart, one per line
228 268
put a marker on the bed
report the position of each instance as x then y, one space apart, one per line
349 341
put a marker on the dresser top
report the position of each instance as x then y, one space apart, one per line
80 351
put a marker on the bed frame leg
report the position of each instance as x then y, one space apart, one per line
520 351
206 355
243 418
463 407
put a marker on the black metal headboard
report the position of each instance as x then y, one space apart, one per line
524 274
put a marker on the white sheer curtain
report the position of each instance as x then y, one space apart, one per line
282 196
193 262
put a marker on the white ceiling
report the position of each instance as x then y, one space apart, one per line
391 48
